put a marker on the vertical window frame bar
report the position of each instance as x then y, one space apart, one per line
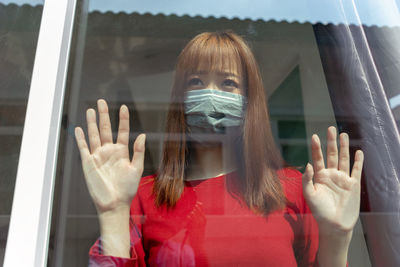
30 220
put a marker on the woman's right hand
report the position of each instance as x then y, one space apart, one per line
111 177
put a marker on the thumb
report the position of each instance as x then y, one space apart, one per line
308 185
138 152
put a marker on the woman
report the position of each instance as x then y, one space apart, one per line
221 195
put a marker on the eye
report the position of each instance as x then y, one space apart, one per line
195 82
230 83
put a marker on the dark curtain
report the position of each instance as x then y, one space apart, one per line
361 66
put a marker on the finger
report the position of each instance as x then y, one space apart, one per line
93 132
123 128
138 152
308 185
358 165
344 156
316 154
104 122
81 142
332 151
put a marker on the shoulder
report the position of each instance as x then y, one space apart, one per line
146 185
289 172
147 180
144 197
291 180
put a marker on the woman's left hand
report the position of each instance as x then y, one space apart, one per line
334 195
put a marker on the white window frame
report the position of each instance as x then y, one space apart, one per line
30 221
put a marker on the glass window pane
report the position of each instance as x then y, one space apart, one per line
19 29
132 58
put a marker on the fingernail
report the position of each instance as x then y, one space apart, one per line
143 140
102 105
91 112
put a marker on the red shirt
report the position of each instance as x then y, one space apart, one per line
211 226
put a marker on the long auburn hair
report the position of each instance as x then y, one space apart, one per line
257 158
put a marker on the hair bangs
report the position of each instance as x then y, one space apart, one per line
211 53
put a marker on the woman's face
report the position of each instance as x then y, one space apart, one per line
229 80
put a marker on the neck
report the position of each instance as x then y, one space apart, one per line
210 161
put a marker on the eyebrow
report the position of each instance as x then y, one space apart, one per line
221 73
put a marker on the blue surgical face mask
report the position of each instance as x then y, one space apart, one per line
213 115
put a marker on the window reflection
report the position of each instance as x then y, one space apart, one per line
135 66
